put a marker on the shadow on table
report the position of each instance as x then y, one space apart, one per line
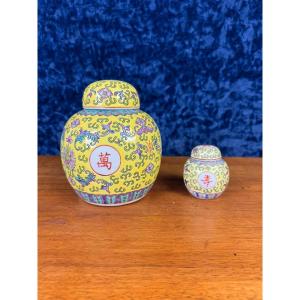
173 183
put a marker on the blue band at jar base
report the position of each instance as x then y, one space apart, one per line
116 199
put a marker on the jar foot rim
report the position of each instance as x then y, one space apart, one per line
116 199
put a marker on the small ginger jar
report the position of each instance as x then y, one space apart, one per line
206 174
111 150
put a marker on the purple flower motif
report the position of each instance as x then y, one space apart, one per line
149 168
75 123
138 151
143 128
90 94
104 93
71 180
69 159
105 186
120 95
69 140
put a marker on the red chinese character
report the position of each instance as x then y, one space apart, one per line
103 162
206 180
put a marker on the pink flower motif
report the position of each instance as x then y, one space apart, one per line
104 93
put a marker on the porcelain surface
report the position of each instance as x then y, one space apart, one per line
111 150
206 174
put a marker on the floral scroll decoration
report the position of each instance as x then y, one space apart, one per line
193 170
86 139
206 152
141 159
110 93
86 180
68 158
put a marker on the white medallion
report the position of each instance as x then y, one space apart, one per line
207 180
105 160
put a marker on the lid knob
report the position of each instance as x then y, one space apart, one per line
206 152
105 94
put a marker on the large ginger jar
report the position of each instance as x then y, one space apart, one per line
111 150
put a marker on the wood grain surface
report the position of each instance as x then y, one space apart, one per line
169 245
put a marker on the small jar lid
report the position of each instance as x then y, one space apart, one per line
206 152
106 94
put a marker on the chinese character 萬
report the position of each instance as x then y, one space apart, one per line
103 161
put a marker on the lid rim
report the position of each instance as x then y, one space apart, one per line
217 158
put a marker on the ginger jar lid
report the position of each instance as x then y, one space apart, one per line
107 94
206 152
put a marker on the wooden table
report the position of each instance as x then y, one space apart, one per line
166 246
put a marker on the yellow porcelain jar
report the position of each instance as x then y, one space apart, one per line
111 150
206 174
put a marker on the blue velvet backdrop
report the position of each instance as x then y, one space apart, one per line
197 66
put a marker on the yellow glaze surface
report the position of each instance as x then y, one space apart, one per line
110 94
111 156
134 137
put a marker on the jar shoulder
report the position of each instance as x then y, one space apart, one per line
221 163
93 114
135 126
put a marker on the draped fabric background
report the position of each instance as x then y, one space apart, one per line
197 66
